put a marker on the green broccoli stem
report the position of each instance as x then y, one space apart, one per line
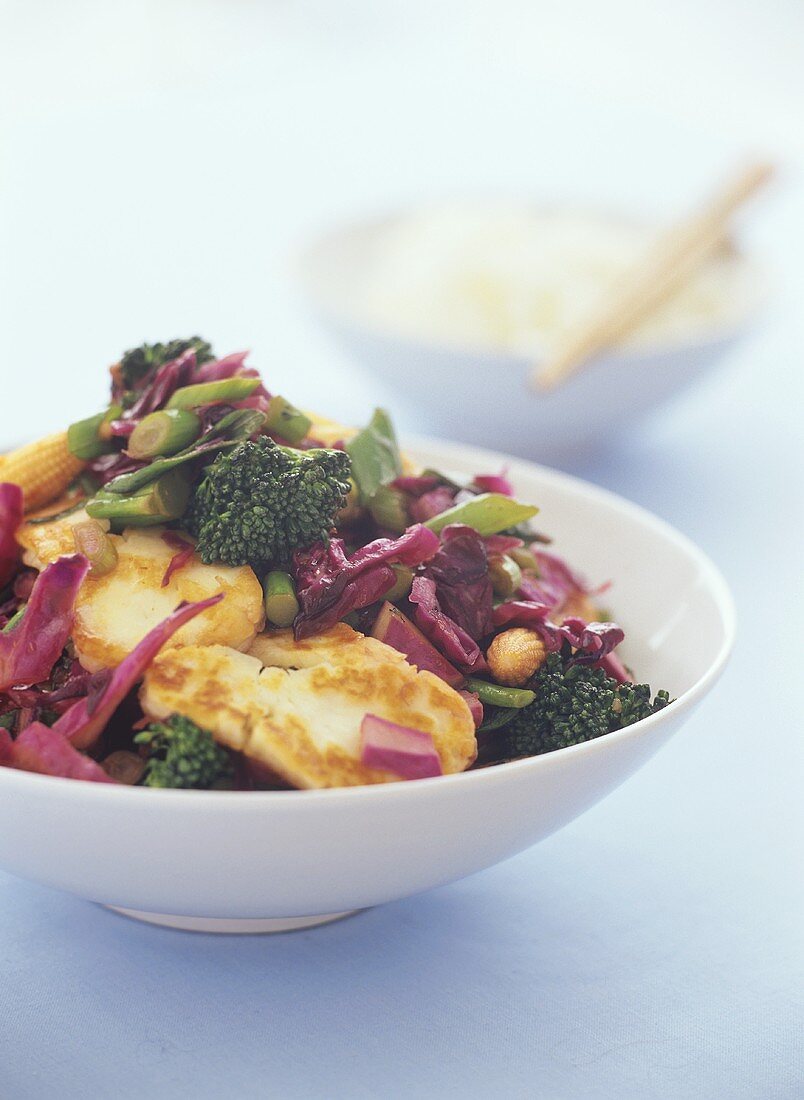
488 514
281 604
286 421
158 502
90 438
496 695
224 391
164 433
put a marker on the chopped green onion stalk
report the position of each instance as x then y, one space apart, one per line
90 438
223 391
232 429
281 605
388 509
506 576
488 514
158 502
92 541
164 433
286 420
496 696
404 579
375 455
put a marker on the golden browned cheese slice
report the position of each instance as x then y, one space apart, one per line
296 707
115 612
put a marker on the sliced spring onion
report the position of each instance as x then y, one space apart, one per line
164 433
286 420
225 390
281 604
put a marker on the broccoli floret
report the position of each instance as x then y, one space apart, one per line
259 502
182 754
138 364
575 704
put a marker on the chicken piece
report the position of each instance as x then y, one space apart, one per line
296 707
115 612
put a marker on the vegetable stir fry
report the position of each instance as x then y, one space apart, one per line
202 586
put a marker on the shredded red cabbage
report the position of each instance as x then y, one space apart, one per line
556 582
502 544
416 486
592 641
107 467
432 503
30 649
168 378
397 631
494 483
445 634
184 553
461 574
11 509
84 722
329 584
219 369
408 753
46 751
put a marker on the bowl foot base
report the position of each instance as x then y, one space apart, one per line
232 925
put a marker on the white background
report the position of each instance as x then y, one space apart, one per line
159 163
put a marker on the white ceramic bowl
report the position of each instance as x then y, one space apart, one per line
237 861
482 396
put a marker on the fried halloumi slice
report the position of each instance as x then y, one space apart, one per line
115 612
296 707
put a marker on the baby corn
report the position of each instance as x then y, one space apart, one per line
42 469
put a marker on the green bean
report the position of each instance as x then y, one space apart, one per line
497 696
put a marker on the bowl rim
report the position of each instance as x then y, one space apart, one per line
477 457
306 256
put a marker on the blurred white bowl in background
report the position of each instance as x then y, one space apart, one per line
397 293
